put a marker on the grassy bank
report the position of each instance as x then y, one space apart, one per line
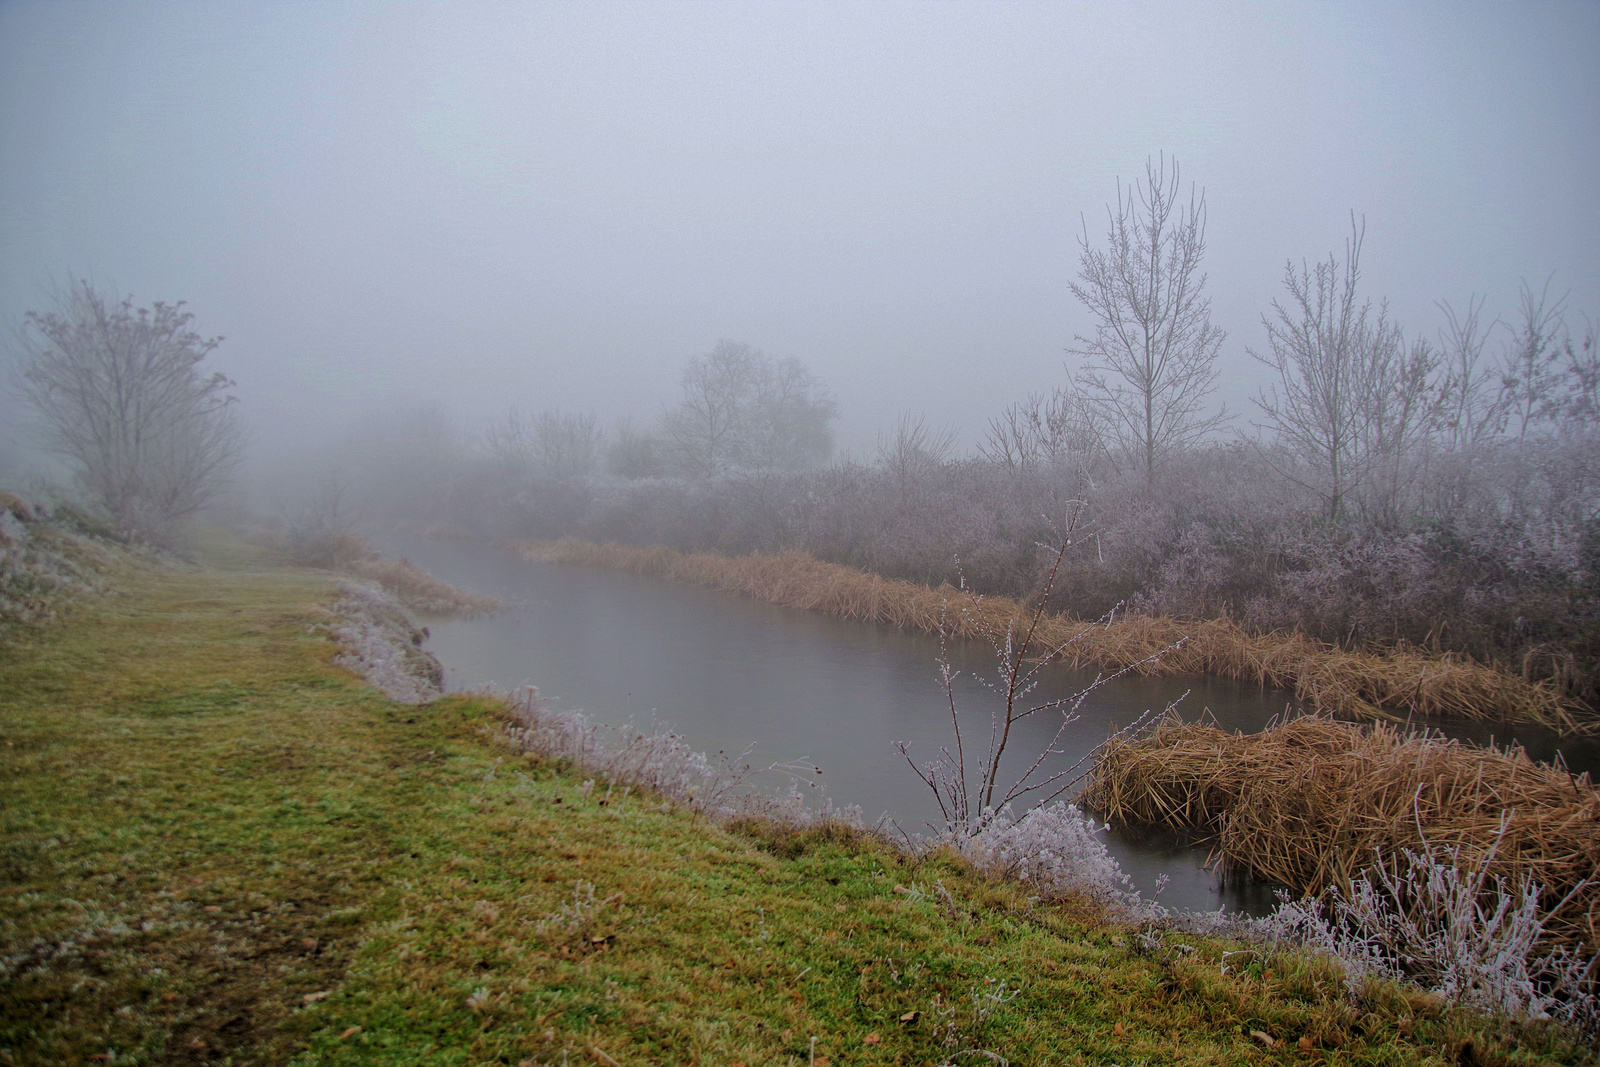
220 848
1401 681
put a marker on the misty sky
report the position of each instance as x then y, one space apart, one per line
383 205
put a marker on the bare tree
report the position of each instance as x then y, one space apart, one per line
1349 394
914 452
1531 373
1472 408
743 410
1151 361
1044 431
123 397
553 444
1581 404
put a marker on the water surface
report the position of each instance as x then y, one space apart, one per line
728 671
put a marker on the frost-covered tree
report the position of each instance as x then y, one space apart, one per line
1472 407
124 398
551 444
1151 361
1351 398
1531 372
744 410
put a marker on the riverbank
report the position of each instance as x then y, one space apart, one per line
219 846
1396 684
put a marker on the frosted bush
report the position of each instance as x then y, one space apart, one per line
1467 936
1056 849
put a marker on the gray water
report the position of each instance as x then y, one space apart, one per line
727 671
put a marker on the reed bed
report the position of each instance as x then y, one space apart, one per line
1311 802
1392 685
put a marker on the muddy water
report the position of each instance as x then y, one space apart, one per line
727 671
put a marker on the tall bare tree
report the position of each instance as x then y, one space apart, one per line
1472 407
1351 398
1531 374
123 397
1151 361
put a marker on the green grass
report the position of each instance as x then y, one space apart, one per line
219 848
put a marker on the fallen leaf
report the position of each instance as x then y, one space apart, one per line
822 1061
910 1016
312 998
730 965
871 1039
1117 1029
601 1057
350 1031
1305 1044
169 996
1265 1038
212 908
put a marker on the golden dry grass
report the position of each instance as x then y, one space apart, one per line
1404 681
1307 802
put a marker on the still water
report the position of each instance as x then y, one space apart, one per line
726 671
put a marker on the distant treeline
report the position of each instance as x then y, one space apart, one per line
1489 547
1442 492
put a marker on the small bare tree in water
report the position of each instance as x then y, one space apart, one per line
1021 655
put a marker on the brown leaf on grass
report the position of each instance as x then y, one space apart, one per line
821 1061
910 1017
350 1032
1305 1044
1117 1029
312 998
1265 1038
871 1039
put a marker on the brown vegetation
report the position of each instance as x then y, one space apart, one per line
1310 803
418 590
320 545
1366 685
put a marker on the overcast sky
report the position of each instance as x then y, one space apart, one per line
386 204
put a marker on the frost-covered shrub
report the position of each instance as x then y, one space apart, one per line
1438 919
1057 850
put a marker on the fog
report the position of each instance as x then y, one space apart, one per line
557 205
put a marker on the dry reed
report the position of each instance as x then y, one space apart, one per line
1402 682
1311 802
418 590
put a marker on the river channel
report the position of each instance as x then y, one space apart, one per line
727 671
